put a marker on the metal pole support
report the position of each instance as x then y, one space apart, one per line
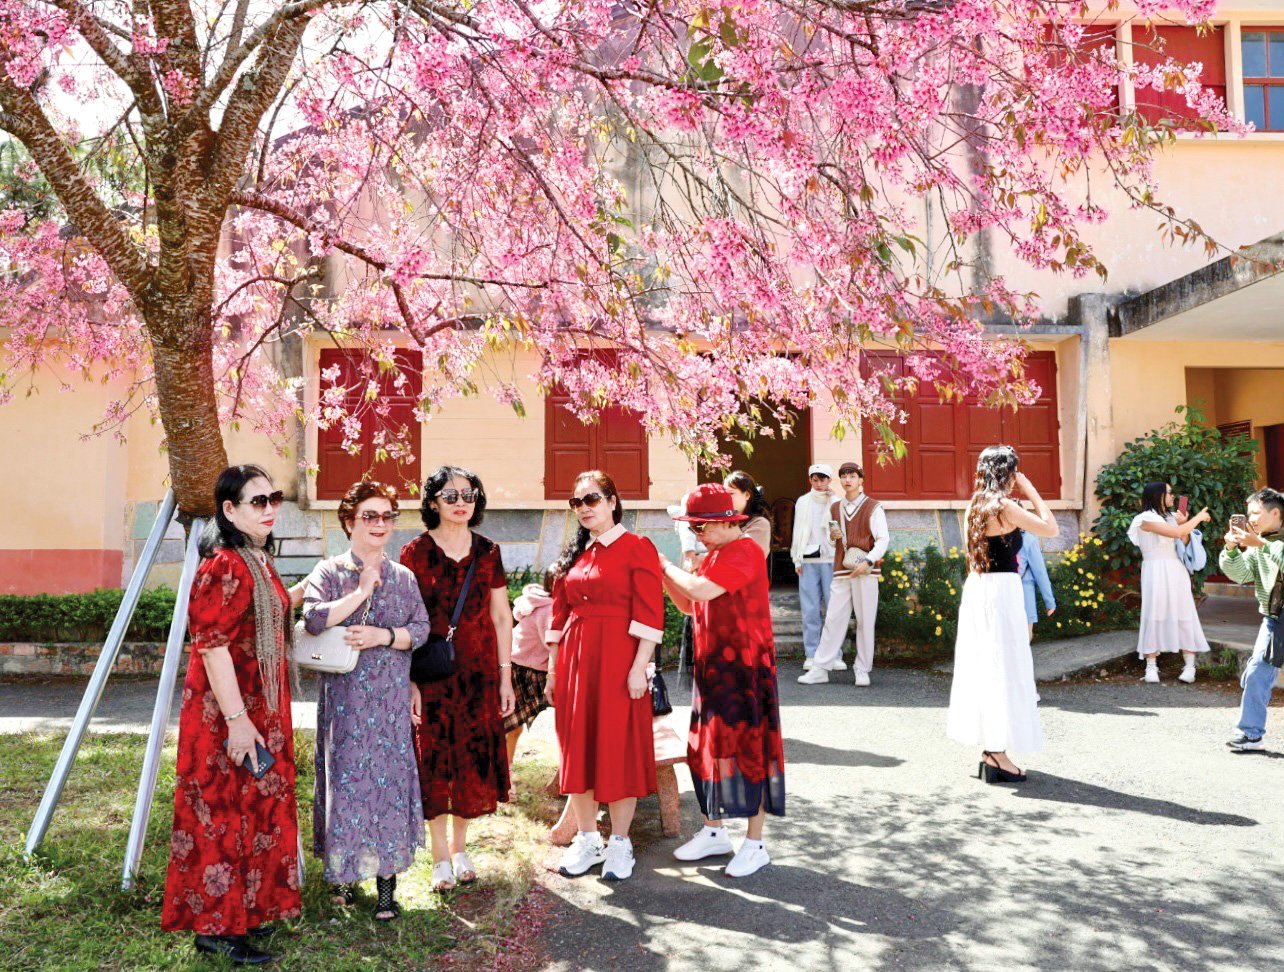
98 681
160 712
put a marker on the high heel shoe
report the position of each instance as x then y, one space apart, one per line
993 773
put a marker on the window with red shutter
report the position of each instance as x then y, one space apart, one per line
945 439
616 444
1186 45
339 469
1099 39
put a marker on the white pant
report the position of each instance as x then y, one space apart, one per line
848 594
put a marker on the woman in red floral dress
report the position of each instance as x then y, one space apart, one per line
463 761
735 750
234 859
608 616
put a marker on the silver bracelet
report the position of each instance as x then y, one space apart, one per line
503 665
229 718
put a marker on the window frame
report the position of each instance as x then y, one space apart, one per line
1265 82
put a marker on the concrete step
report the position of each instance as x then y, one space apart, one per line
1063 657
1241 591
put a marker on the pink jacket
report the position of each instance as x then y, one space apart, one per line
532 611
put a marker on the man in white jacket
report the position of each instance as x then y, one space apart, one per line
812 552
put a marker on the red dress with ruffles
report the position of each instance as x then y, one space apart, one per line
234 853
735 749
463 763
606 603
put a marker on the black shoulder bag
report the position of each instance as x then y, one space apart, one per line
434 660
660 704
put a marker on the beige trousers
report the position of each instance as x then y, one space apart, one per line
848 595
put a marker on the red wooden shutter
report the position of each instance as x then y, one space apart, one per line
616 444
1098 39
340 469
1184 45
944 440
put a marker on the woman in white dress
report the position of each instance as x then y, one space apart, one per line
1169 621
993 702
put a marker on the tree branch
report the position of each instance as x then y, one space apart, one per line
124 66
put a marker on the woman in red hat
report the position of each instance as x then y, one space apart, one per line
735 750
608 616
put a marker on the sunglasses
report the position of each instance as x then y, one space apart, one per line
370 516
261 502
458 495
699 527
588 499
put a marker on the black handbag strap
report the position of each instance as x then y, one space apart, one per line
463 595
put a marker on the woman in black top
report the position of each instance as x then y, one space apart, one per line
993 699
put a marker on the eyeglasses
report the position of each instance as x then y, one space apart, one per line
458 495
261 502
588 499
370 516
698 528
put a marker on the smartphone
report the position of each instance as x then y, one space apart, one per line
1239 522
266 760
834 527
1183 504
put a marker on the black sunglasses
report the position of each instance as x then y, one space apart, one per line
588 499
458 495
261 502
370 516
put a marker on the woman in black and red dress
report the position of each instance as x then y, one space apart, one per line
463 762
736 753
234 856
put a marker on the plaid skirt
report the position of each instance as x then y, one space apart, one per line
528 687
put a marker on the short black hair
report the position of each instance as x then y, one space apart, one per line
1270 499
436 482
1154 497
220 532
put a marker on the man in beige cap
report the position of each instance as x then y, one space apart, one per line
812 552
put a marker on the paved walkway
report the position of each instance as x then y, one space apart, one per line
1139 842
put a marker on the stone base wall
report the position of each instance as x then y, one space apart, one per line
79 658
529 538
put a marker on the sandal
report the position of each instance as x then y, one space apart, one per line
443 876
465 871
386 908
343 895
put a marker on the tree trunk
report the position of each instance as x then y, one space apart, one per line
184 369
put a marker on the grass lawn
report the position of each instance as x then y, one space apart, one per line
64 909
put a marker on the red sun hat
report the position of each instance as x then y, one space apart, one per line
711 503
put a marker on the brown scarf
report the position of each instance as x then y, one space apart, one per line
271 633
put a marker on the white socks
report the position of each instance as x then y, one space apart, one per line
751 845
714 831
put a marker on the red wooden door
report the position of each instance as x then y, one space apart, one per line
389 417
616 444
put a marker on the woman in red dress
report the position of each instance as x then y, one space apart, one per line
234 856
734 750
608 616
463 761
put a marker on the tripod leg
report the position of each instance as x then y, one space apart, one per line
160 713
98 681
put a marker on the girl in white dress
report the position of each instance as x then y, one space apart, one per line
1169 621
993 702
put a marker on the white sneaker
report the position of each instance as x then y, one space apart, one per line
817 676
809 664
837 666
862 678
1187 674
707 843
586 851
748 860
619 859
1152 675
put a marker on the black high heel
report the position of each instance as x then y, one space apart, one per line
386 908
235 947
993 773
343 895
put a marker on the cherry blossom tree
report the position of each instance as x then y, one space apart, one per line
731 195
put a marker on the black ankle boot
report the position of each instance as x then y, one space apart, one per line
237 949
386 908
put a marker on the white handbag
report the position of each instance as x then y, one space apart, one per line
328 651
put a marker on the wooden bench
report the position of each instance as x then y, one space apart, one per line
670 750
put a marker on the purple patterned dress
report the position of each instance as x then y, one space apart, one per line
367 814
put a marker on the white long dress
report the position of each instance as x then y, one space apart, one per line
993 700
1169 621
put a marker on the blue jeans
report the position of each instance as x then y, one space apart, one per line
813 598
1257 681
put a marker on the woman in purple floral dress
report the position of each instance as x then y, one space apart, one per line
367 813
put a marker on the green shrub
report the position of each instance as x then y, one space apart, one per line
1196 460
83 617
1087 600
